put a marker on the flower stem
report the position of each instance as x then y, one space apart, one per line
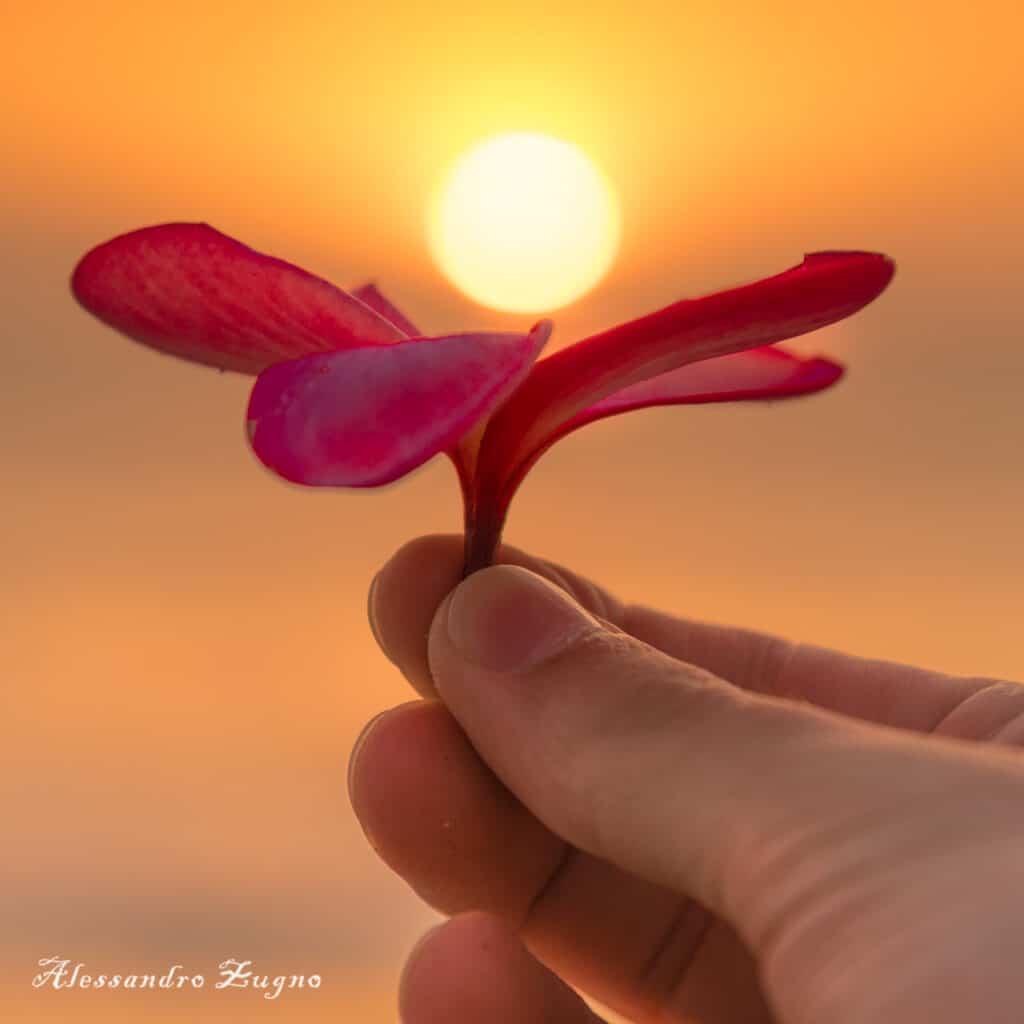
483 535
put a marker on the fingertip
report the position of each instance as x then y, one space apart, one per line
407 592
404 597
437 816
475 968
434 969
357 747
362 793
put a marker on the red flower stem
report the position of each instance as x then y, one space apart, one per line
484 520
483 535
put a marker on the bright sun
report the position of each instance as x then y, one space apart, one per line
525 223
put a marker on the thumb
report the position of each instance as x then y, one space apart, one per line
667 771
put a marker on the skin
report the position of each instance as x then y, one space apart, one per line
687 822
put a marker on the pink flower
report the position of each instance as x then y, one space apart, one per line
349 394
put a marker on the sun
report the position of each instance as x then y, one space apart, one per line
524 223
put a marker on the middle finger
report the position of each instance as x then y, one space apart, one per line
439 817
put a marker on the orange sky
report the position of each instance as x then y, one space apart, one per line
186 655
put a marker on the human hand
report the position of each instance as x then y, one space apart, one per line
689 822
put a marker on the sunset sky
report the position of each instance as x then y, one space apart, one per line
185 649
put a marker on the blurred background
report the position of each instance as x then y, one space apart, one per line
186 660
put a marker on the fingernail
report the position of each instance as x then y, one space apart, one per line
371 612
358 746
508 619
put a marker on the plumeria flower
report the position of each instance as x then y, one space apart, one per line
349 392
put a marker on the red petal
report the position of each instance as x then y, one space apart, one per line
366 416
758 374
189 290
371 295
826 287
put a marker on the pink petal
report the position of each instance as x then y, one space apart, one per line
462 454
371 295
366 416
757 374
826 287
188 290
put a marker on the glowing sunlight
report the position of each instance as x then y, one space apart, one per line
524 222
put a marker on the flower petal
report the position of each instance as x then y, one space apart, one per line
371 295
826 287
188 290
758 374
366 416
